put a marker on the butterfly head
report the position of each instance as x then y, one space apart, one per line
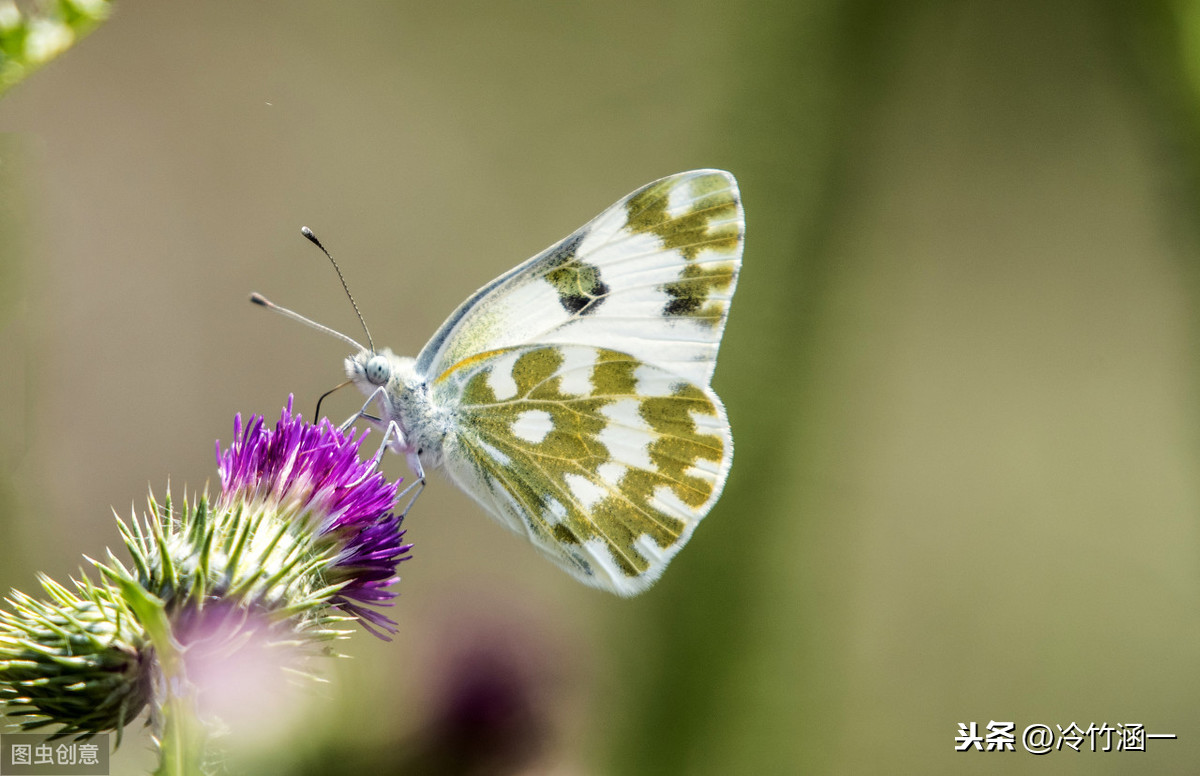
371 371
378 370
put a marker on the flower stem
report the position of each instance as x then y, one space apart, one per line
182 739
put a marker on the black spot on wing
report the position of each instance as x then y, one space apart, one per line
574 303
690 294
685 305
578 284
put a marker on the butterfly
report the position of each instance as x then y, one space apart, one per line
570 397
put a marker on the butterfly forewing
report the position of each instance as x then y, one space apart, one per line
652 277
606 462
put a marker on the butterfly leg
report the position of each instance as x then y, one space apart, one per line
414 463
393 433
420 487
362 412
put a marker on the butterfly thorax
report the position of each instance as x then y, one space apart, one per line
403 396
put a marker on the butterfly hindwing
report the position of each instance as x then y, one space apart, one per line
652 276
604 461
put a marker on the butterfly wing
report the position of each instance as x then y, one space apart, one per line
651 276
605 462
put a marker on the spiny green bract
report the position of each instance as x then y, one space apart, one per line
77 660
257 559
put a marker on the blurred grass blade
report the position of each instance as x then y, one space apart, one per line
30 39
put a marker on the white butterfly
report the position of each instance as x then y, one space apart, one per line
570 396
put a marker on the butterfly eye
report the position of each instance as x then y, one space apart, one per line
378 370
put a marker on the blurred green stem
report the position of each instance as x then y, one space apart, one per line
182 739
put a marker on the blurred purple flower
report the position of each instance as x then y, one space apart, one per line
312 476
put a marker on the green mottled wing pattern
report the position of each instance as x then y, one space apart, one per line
605 462
651 276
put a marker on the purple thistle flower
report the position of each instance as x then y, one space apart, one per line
312 476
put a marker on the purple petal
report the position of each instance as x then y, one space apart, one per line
316 470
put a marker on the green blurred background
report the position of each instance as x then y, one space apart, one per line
960 367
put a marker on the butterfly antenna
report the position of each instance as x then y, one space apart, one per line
259 299
304 230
